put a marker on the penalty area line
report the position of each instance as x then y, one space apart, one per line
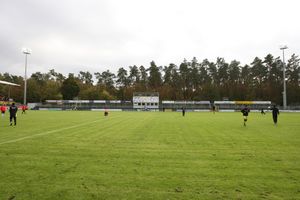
46 133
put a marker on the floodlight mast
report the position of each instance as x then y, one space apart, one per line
26 52
284 81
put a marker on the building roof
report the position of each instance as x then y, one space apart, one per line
8 83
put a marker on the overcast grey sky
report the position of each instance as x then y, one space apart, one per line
96 35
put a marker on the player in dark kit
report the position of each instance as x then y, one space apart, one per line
214 108
13 113
275 113
245 112
105 113
183 112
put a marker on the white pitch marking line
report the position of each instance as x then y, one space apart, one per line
45 133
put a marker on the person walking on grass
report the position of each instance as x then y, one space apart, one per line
275 113
183 111
13 109
105 112
245 112
214 108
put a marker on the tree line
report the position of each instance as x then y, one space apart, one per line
262 79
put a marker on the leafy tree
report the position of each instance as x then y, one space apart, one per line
246 76
106 78
155 79
106 95
122 79
262 80
204 77
134 74
93 92
293 70
259 71
33 91
176 84
293 79
51 91
185 81
234 80
122 82
194 74
234 72
213 73
41 78
85 77
222 71
70 88
144 77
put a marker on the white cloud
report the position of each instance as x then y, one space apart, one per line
98 35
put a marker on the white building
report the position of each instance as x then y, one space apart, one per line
145 100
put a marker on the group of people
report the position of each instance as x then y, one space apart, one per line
245 111
275 113
13 109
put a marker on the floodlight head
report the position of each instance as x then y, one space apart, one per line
26 51
283 47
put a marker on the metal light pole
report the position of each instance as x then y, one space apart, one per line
26 52
284 84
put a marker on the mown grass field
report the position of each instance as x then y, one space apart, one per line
149 155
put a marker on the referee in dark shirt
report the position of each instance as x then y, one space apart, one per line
275 113
13 109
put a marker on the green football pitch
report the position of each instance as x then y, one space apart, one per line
149 155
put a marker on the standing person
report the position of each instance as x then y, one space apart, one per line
245 112
275 113
214 108
183 111
262 111
13 109
105 112
3 109
23 109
